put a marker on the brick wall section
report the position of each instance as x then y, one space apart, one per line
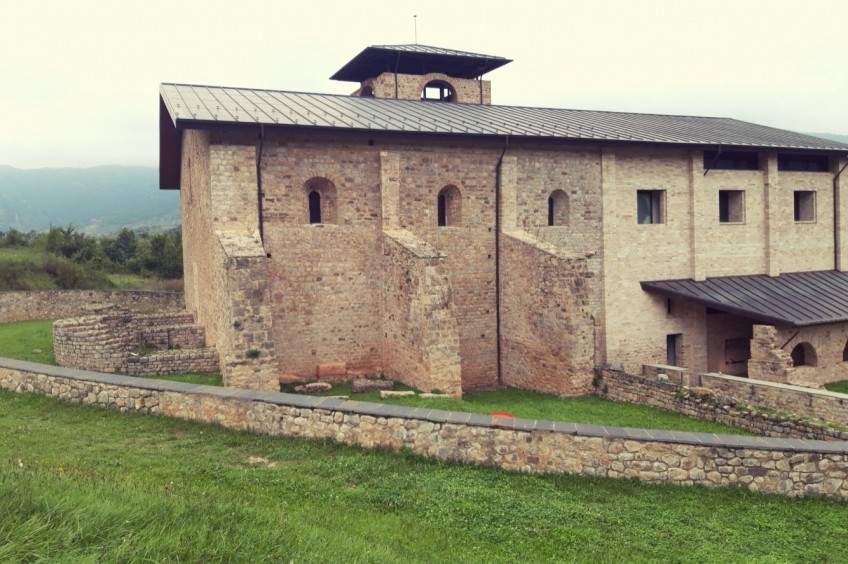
710 405
55 304
791 468
421 346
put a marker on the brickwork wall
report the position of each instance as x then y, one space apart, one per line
421 338
771 362
55 304
410 87
802 468
714 405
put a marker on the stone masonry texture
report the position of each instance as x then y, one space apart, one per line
774 466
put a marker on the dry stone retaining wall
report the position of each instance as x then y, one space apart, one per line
788 467
55 304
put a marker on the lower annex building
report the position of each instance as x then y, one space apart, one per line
415 230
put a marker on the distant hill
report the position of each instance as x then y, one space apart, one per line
832 137
96 200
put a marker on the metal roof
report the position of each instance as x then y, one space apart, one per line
196 106
418 60
797 299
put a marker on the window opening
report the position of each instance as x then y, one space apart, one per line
805 205
649 206
672 346
845 353
366 92
803 163
804 355
314 207
731 206
438 91
449 202
558 208
731 160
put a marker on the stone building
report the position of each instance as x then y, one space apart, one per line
414 229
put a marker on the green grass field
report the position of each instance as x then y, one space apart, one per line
18 340
841 387
81 484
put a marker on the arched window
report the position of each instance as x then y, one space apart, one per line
558 208
845 353
366 92
438 90
804 355
449 205
320 200
314 207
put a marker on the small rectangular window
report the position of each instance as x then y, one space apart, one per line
731 160
803 163
731 206
649 206
805 205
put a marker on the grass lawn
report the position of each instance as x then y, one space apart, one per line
17 340
79 483
841 387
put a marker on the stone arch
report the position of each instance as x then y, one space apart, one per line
366 92
558 209
449 205
804 355
321 200
439 91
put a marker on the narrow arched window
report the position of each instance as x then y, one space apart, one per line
845 353
314 207
439 91
449 207
442 211
558 208
321 201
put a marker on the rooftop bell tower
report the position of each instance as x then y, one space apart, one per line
419 72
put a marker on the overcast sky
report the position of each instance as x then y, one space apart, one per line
79 79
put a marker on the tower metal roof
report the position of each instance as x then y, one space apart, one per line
417 59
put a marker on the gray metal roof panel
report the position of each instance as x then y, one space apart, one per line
194 105
418 60
796 299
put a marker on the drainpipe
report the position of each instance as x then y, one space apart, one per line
498 260
836 217
259 194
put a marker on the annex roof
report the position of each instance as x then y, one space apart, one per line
417 59
797 299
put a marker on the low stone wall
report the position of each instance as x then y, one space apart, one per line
113 339
710 405
772 396
55 304
789 467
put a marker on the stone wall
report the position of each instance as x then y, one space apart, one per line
791 468
723 404
410 87
771 349
421 347
113 339
55 304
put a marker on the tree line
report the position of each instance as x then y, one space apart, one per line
73 259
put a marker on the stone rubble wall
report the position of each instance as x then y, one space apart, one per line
116 340
773 410
56 304
421 347
774 466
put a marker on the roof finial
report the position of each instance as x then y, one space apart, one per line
415 26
